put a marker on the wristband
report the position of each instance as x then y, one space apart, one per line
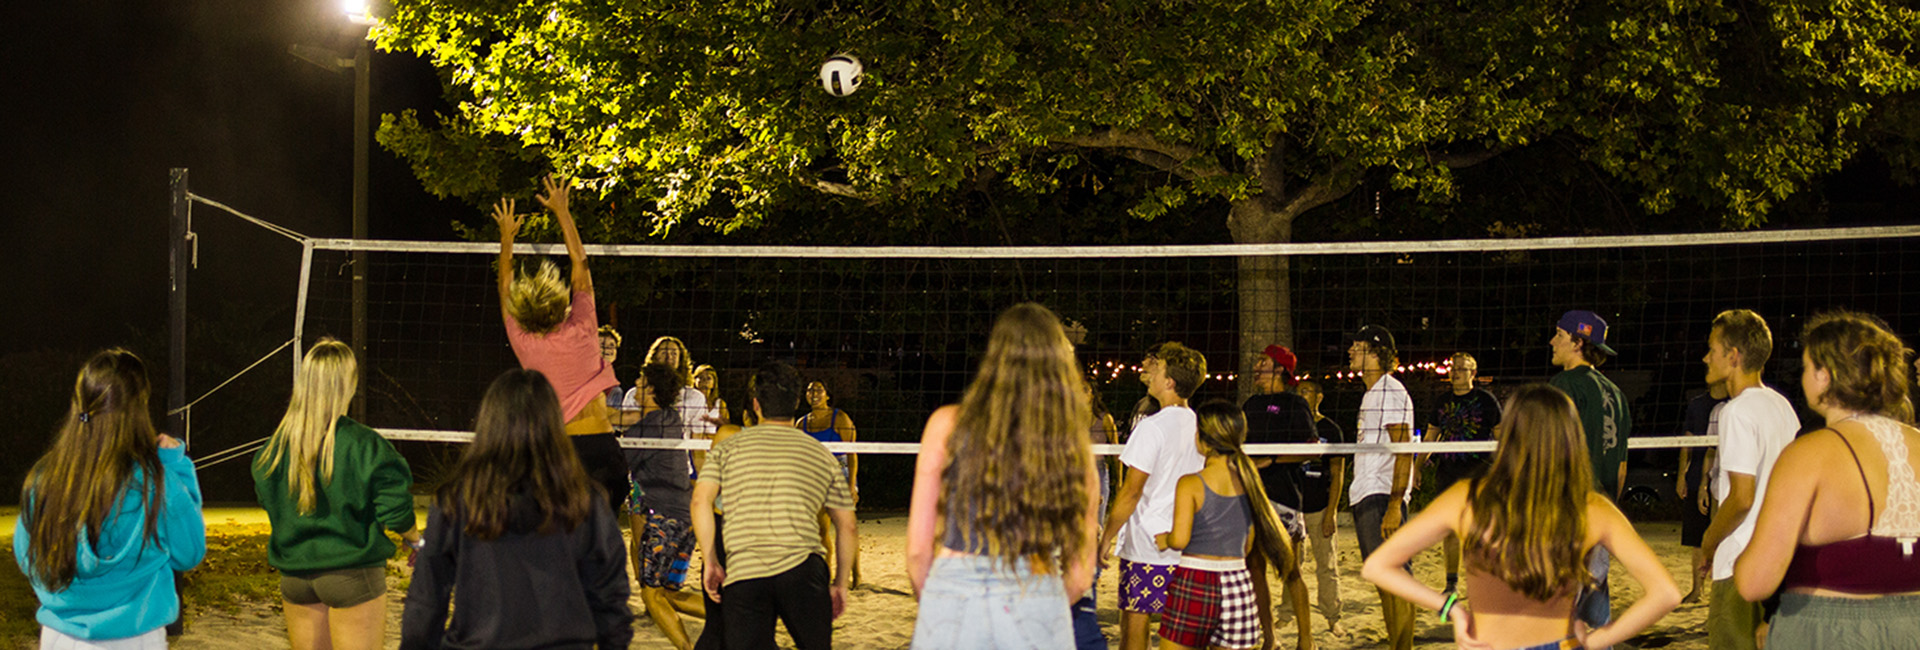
1452 597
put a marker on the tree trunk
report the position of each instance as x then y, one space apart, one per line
1265 284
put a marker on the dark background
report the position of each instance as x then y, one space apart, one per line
104 97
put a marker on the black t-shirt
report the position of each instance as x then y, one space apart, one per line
1460 418
1280 418
1316 484
1699 415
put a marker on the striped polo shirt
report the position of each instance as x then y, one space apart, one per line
775 479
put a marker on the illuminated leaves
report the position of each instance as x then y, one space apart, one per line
709 110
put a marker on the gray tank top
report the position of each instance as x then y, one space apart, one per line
1220 525
964 541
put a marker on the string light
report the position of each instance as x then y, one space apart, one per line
1112 370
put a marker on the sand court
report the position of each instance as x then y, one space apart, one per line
881 611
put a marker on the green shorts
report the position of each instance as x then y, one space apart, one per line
339 589
1731 620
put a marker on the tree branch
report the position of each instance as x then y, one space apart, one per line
1185 161
836 189
1324 188
1464 159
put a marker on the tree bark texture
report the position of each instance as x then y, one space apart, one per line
1265 284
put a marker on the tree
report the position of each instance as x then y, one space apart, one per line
707 111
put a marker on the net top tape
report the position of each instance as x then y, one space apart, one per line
908 448
1199 250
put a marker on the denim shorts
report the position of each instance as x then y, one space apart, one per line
980 602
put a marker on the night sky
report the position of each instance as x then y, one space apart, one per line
105 96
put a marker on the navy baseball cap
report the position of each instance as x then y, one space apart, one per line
1589 326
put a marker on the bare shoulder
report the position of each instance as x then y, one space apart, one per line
1819 448
1604 518
941 423
724 432
1190 483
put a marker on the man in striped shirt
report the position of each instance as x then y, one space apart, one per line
776 479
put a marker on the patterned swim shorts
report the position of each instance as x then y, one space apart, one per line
1211 608
666 546
1143 587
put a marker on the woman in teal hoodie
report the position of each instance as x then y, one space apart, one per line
108 514
332 488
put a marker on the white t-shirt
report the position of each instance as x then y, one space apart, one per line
695 414
1754 427
1162 445
1385 404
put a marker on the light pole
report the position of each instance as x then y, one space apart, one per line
362 137
357 13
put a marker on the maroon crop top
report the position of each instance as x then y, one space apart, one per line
1865 565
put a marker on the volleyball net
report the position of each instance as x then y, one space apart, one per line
893 333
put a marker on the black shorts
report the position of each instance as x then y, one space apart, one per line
1693 524
1448 471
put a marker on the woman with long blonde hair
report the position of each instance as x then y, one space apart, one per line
1835 533
993 566
554 330
332 488
1525 528
107 515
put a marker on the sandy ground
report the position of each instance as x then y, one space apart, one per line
882 609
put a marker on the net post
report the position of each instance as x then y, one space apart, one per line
300 308
179 256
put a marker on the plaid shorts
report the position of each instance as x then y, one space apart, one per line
1143 587
666 546
1211 609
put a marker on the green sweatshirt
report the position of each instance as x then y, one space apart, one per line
369 493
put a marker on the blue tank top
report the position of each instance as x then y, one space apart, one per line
824 435
1220 525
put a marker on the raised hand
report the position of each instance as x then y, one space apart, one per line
509 222
555 196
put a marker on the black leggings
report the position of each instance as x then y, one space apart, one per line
606 464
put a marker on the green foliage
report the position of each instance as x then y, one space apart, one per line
709 111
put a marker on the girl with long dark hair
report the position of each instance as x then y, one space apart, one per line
524 536
108 514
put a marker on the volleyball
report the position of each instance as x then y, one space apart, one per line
841 75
